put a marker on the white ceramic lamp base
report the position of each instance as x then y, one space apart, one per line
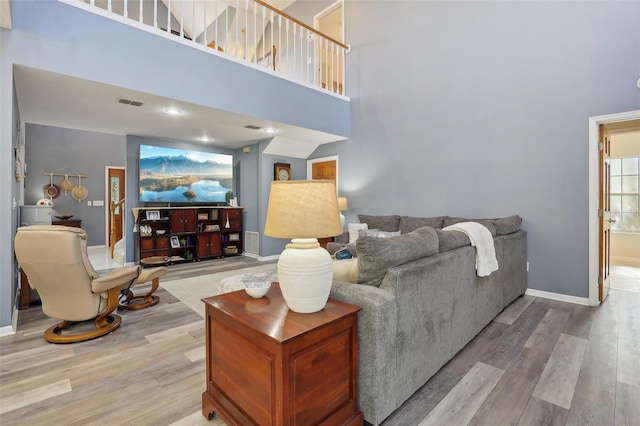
305 272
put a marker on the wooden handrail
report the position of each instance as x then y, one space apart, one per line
302 24
112 229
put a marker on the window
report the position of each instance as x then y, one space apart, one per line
625 194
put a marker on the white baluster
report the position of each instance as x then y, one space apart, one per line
169 17
280 34
155 13
255 33
204 22
293 36
181 18
126 9
264 51
288 56
215 12
272 42
302 53
246 28
237 28
333 56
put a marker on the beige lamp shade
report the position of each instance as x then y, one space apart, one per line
303 209
343 205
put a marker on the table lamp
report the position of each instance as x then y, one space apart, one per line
343 206
304 210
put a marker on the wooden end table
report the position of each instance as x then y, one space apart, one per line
267 365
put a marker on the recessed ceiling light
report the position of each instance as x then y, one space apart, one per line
205 139
172 111
269 130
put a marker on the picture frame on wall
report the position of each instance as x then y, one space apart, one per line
282 171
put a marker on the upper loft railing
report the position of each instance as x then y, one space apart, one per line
249 30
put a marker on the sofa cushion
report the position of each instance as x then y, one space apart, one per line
376 255
383 223
408 223
354 230
378 233
488 223
507 225
450 240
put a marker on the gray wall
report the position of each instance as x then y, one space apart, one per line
133 172
480 109
88 153
274 246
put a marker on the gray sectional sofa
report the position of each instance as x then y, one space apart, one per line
422 301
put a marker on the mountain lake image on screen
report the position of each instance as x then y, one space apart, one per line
169 175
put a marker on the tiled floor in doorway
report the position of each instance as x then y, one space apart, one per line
624 277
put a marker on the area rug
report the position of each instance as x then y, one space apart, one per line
191 291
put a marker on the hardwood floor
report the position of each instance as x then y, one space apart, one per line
540 362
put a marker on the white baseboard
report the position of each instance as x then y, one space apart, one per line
260 258
266 258
7 330
557 296
616 260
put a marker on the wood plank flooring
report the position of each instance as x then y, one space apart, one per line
540 362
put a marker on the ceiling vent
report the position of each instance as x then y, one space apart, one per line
249 126
129 102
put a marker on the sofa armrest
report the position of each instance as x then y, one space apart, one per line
376 346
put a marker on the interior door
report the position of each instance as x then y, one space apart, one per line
324 170
116 193
604 213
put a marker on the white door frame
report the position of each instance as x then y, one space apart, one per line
594 189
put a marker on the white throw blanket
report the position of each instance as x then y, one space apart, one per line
482 240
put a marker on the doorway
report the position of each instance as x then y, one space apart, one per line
115 194
613 123
329 22
625 202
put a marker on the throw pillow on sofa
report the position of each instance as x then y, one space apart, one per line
354 230
378 233
508 225
408 223
376 255
488 223
383 223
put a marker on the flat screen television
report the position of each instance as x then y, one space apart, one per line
181 176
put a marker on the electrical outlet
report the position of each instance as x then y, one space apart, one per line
527 266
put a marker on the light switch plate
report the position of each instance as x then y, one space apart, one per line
98 203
